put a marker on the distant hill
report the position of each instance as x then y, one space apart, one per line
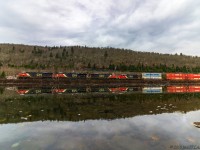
15 58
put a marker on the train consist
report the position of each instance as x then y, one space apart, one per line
120 90
34 75
136 76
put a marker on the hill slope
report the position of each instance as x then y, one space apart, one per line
15 58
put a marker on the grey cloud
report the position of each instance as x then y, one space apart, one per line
162 26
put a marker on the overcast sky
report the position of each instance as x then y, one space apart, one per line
165 26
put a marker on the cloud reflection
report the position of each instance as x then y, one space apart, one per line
141 132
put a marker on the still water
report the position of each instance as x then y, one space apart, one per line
119 119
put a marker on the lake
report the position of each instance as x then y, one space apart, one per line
99 118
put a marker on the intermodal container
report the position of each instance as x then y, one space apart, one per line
152 90
193 76
151 75
176 76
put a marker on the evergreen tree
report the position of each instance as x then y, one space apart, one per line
105 54
3 74
89 65
51 54
72 51
57 55
94 66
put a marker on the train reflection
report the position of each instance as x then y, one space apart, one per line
111 89
183 89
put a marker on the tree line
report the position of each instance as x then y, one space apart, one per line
140 67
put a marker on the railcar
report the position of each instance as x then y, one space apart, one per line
122 76
72 75
77 75
193 76
183 76
28 90
134 76
82 75
23 75
152 76
27 75
47 75
59 75
176 76
113 76
99 76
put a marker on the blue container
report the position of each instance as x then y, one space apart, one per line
151 76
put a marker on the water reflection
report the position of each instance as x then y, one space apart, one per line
140 132
27 90
148 117
76 107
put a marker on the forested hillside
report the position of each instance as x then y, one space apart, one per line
15 58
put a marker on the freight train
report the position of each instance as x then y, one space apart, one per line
34 75
136 76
